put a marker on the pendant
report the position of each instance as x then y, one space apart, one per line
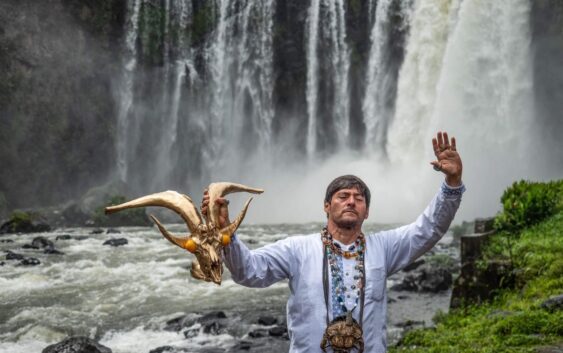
343 334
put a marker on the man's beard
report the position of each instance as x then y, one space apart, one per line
347 224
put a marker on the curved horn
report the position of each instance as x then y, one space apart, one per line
181 204
217 190
231 228
181 242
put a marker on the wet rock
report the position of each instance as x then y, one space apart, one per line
63 237
77 345
242 346
116 242
181 322
215 327
191 333
212 316
81 237
278 331
391 300
409 323
553 303
267 320
258 333
2 263
13 256
163 349
97 231
6 241
426 279
29 246
113 231
42 243
30 261
23 222
50 251
403 297
414 265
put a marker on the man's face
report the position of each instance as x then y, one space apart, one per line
347 208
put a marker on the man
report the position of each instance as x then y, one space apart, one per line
339 276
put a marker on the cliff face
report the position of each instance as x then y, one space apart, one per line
57 111
547 48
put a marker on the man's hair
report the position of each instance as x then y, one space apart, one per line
347 182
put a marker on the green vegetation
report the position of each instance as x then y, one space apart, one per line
514 321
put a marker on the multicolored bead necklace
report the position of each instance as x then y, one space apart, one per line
334 254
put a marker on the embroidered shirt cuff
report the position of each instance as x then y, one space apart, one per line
452 191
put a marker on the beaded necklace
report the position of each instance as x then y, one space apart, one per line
339 289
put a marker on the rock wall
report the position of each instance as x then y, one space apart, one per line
57 112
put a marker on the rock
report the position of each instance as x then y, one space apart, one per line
267 320
30 261
191 333
29 246
409 323
116 242
414 265
24 222
242 346
163 349
81 237
97 231
2 263
77 345
50 251
215 327
553 303
258 333
181 322
63 237
426 279
212 316
391 300
42 243
403 297
113 231
6 241
277 331
13 256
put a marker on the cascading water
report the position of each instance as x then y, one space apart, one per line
327 31
376 114
126 89
220 119
241 57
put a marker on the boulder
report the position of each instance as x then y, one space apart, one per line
181 322
30 261
553 303
214 323
258 333
6 241
77 345
191 333
426 279
24 222
13 256
116 242
63 237
42 243
242 346
163 349
278 331
267 320
51 251
113 231
97 231
413 266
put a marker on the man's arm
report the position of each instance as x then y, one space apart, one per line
252 268
405 244
261 267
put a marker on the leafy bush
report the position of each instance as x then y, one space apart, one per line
526 203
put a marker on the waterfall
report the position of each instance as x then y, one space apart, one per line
312 74
376 114
181 16
126 88
241 65
326 28
418 77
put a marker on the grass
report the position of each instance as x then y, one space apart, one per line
515 321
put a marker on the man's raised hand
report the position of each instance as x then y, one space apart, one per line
223 210
448 159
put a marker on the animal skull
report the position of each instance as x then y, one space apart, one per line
205 240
